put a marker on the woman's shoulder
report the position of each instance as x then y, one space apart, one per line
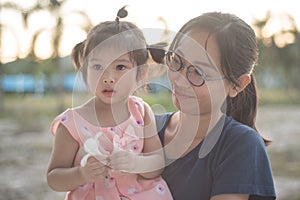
236 132
162 121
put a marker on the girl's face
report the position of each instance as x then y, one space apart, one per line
208 97
111 79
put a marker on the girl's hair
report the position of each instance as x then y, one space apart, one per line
239 53
119 34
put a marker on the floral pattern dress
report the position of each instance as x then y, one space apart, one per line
104 140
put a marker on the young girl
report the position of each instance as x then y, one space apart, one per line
107 148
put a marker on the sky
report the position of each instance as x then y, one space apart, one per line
145 13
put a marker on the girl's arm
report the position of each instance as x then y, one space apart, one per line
149 164
61 174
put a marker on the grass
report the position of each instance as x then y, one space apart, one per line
16 105
279 96
27 109
285 163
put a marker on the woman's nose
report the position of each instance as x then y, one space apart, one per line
178 77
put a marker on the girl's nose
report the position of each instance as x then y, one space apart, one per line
108 80
108 77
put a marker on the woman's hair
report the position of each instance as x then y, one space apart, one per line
236 41
118 34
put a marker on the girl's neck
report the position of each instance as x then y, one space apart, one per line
111 114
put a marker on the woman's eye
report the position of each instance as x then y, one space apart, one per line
120 67
177 60
98 67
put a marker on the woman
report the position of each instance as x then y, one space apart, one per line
212 148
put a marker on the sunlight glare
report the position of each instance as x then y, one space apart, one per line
146 14
43 49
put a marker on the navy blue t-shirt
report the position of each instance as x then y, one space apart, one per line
237 164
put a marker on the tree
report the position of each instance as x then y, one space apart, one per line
54 7
2 27
282 58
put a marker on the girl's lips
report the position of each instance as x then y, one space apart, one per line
109 92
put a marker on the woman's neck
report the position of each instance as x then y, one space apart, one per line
186 131
200 125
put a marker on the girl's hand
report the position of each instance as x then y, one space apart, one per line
123 161
93 170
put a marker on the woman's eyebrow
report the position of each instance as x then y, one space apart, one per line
210 65
199 63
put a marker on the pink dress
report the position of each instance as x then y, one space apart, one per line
126 136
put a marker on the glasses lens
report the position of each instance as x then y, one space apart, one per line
173 61
194 76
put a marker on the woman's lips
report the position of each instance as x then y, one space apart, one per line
181 93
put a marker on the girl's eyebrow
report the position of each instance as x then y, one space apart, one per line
116 60
96 60
122 60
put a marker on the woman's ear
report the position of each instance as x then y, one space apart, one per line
243 80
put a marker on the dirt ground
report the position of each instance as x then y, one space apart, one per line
24 156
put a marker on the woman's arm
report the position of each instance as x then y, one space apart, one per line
230 197
61 174
153 158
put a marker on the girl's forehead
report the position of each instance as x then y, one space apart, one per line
109 53
117 46
106 59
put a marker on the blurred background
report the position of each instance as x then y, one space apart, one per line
37 80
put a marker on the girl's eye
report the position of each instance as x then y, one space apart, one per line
120 67
98 67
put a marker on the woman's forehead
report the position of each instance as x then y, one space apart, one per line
191 47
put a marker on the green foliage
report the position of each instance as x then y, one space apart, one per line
279 96
35 105
280 58
163 99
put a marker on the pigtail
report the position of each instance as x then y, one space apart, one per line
122 13
157 51
243 107
77 55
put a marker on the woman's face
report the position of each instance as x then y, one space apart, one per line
210 96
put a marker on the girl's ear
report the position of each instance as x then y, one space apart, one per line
243 80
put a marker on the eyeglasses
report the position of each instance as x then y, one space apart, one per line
195 75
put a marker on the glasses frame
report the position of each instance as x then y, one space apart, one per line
182 66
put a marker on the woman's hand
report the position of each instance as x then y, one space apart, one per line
93 169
